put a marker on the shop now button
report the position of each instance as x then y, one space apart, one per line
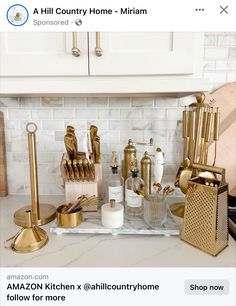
206 287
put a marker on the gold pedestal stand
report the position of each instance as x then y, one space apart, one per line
47 214
41 213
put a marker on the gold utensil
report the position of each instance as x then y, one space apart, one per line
203 133
66 170
185 132
216 131
71 172
81 169
207 134
86 169
185 118
76 171
186 174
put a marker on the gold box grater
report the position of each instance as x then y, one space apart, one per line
205 223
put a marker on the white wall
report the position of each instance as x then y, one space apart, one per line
118 119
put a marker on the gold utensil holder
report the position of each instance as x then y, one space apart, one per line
205 224
68 220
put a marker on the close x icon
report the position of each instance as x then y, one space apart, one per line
224 9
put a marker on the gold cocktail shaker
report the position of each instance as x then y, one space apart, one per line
146 172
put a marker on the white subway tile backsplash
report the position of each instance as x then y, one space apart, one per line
110 136
51 189
174 114
209 65
153 113
158 136
133 135
31 102
9 102
216 53
226 65
142 101
120 102
111 113
17 113
74 102
215 77
143 125
20 157
46 157
232 53
17 146
86 113
52 101
210 40
227 40
165 124
97 102
59 135
171 158
166 102
131 113
119 118
63 113
53 125
42 113
12 124
120 125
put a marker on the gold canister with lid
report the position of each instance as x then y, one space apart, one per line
129 155
146 172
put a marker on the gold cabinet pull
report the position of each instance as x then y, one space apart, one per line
98 49
75 50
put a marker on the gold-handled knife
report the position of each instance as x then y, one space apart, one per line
76 171
71 172
81 169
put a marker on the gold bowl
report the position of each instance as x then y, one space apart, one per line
68 220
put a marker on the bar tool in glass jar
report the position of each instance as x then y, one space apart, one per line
155 209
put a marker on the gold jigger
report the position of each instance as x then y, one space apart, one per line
43 213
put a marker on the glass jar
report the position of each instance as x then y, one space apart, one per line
133 201
155 210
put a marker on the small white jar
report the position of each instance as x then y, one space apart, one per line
112 215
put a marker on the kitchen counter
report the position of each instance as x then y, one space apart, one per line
90 250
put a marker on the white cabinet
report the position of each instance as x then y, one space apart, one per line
42 54
146 53
132 62
124 53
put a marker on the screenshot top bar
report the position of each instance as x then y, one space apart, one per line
123 15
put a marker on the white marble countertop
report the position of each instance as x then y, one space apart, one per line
90 250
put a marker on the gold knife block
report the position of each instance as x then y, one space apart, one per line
205 223
41 213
